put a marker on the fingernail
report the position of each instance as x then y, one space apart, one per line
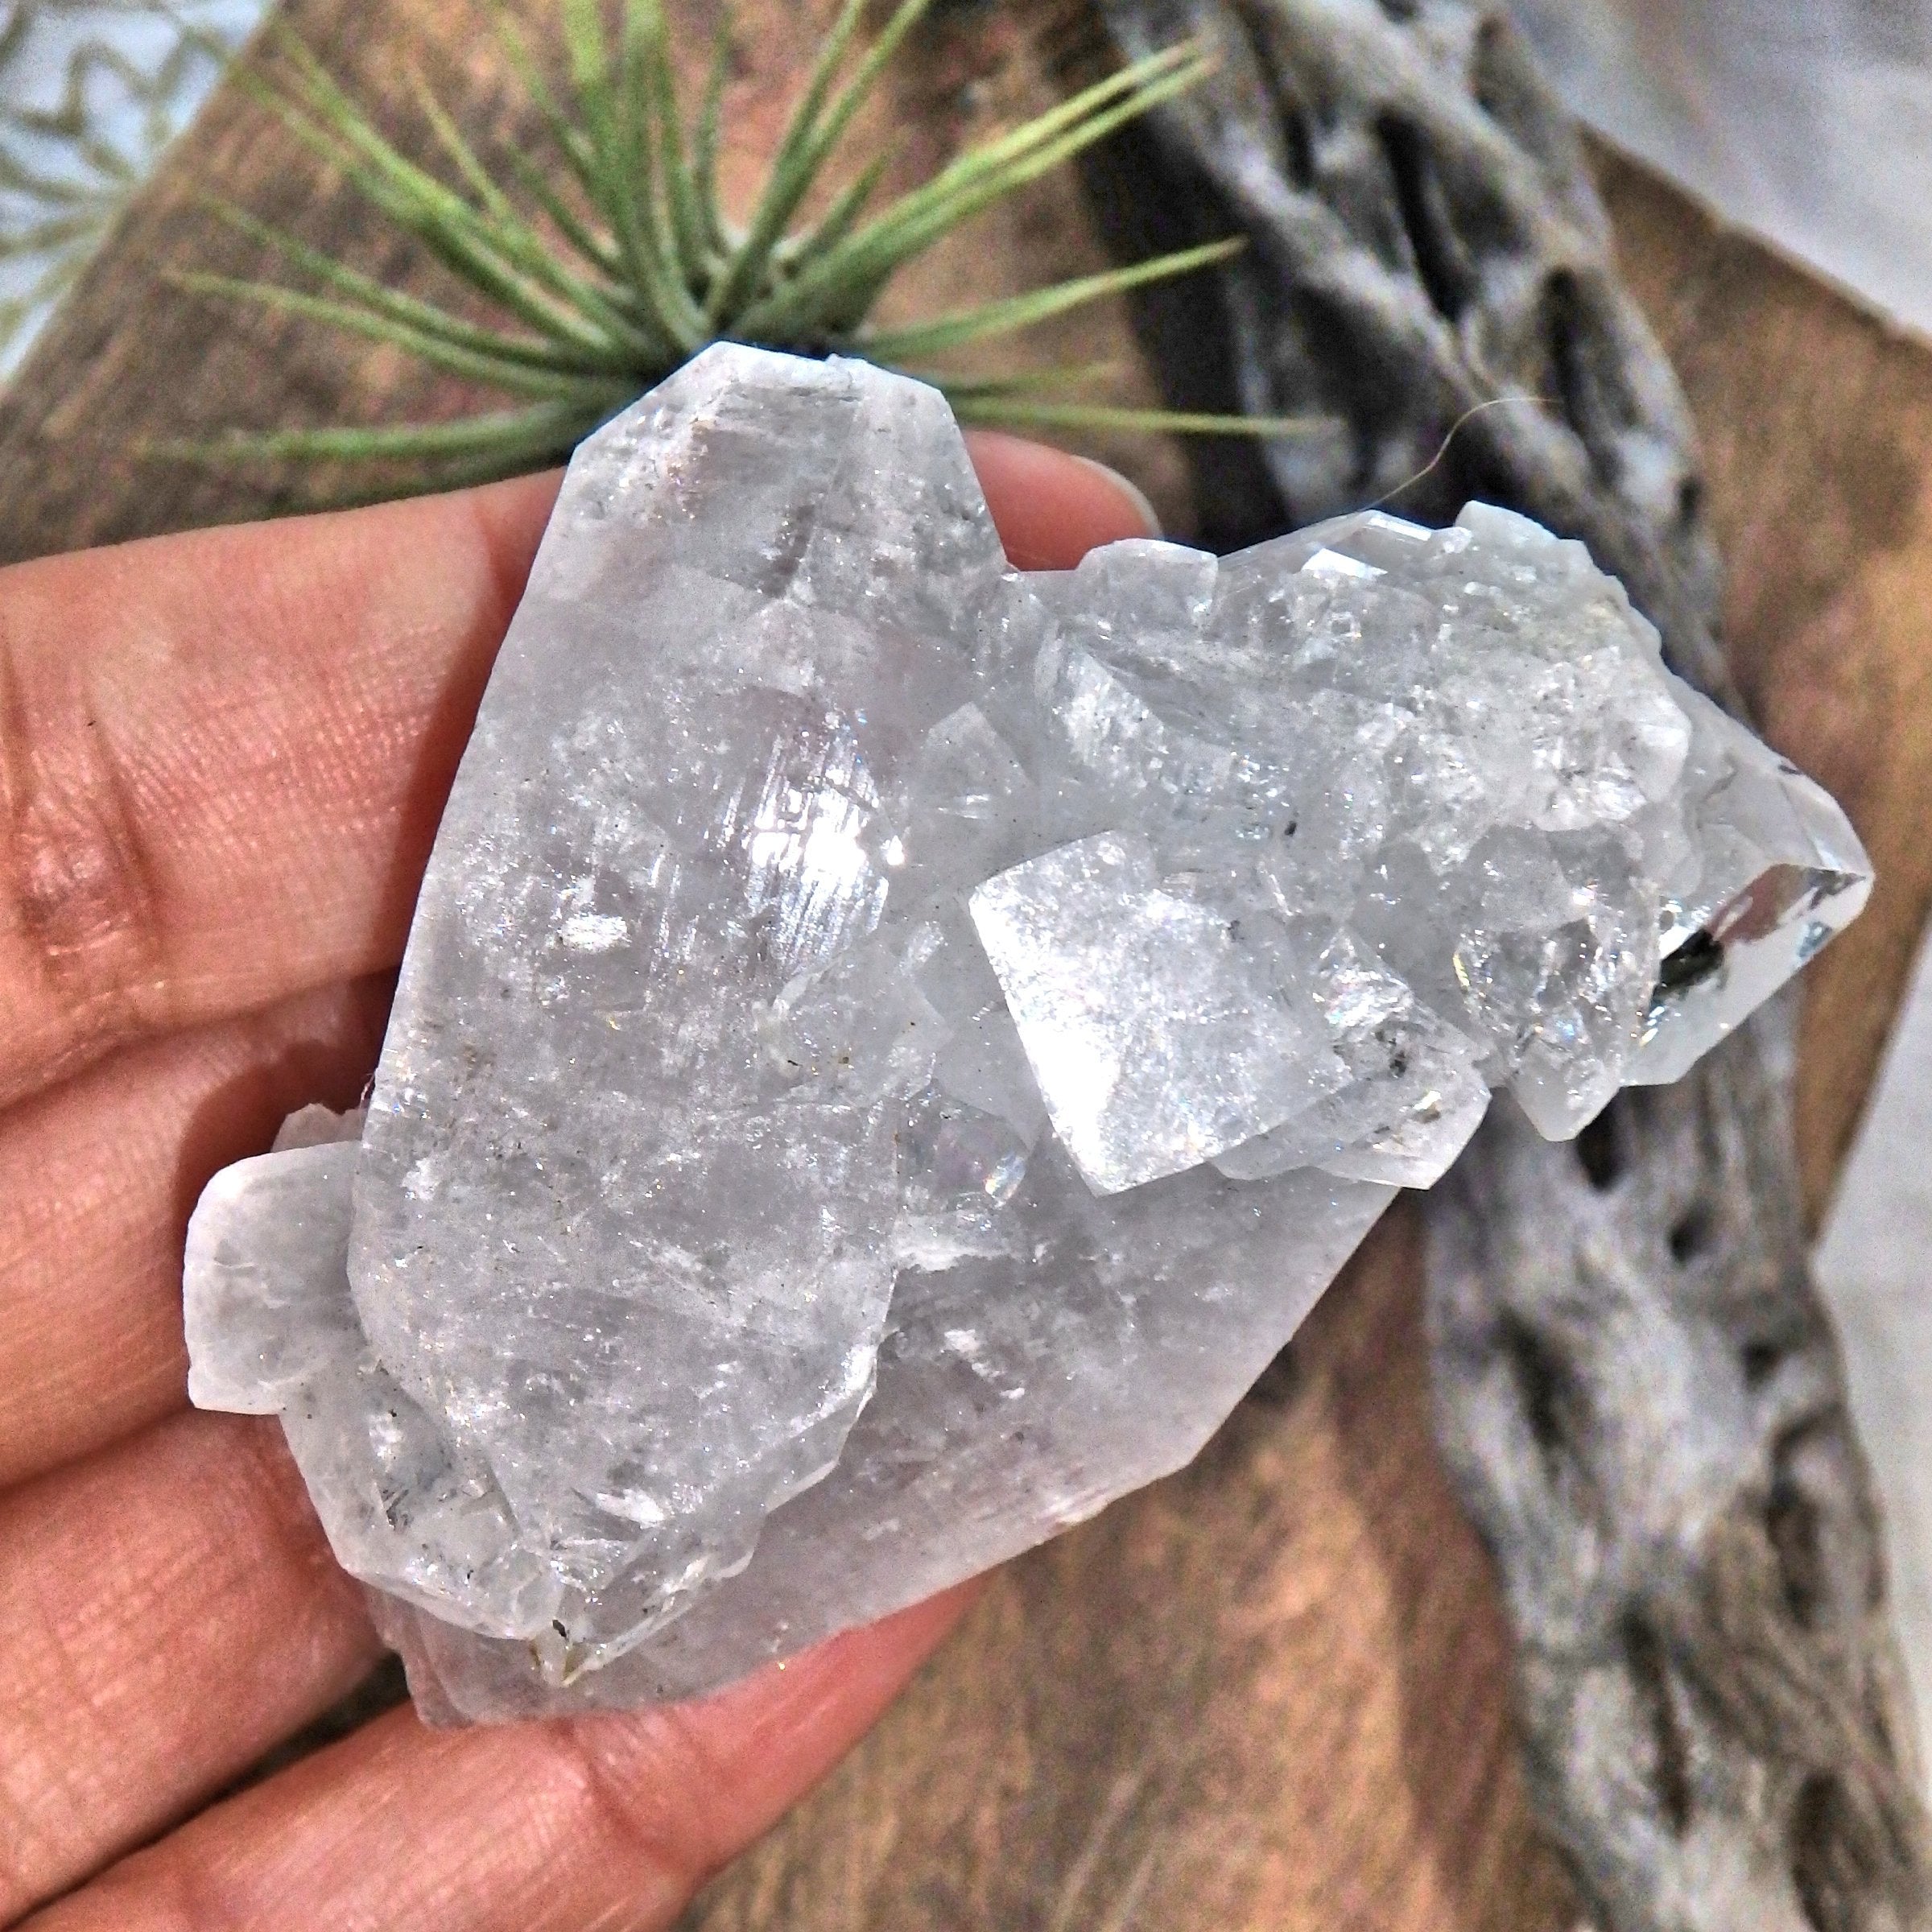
1131 490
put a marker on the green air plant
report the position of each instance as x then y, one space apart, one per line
610 275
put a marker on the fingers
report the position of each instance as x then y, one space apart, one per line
609 1821
1051 507
223 756
168 1611
328 668
96 1181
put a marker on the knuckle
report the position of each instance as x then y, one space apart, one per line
649 1788
78 880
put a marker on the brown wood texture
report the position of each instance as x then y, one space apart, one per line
1272 1691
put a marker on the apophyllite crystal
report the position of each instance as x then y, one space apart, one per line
889 1046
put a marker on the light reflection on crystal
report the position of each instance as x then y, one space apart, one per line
1782 873
804 841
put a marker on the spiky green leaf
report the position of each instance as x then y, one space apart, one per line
627 263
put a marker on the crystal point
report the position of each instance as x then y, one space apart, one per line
1782 873
890 1046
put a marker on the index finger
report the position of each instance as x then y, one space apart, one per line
223 756
563 1826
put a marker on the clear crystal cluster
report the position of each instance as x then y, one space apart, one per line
890 1046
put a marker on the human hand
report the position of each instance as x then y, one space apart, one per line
222 760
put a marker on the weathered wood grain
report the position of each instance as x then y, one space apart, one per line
1270 1691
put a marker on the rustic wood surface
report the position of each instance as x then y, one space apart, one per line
132 363
1269 1692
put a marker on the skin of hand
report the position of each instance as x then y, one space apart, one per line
222 760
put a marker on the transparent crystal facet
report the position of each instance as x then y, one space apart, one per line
889 1046
1782 873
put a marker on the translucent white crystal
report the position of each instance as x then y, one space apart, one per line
889 1046
1032 1371
1781 873
1156 1027
266 1253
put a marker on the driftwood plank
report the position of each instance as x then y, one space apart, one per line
1271 1690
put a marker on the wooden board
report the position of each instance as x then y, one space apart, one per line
1271 1691
132 363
